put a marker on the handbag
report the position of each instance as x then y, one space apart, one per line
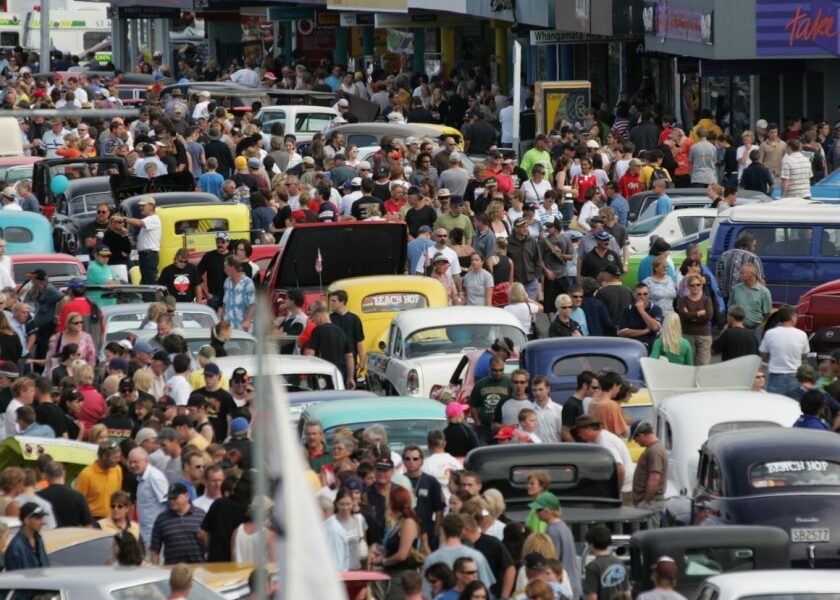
576 226
501 293
364 550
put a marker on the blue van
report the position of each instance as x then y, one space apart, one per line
798 242
26 232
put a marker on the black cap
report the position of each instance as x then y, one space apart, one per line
239 374
30 509
536 562
161 356
127 384
175 490
384 463
612 269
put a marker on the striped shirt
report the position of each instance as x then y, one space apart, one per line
179 536
796 170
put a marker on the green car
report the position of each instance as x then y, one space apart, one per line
407 420
677 255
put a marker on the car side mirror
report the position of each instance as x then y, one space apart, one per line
382 345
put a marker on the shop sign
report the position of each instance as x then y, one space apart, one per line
290 13
797 28
678 23
547 37
500 5
356 19
400 6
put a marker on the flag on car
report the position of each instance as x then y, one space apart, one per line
319 264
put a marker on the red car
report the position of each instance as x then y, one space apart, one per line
59 267
818 315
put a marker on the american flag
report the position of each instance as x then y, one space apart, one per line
319 264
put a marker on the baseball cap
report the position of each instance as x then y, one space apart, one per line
529 206
454 409
167 434
541 137
118 364
806 373
126 385
456 199
254 163
601 235
161 356
175 490
612 269
503 343
146 200
239 425
593 144
142 346
39 274
212 369
308 160
575 235
30 509
270 75
9 191
439 257
424 229
181 420
343 103
353 483
76 283
103 250
545 500
505 433
643 428
222 235
520 222
384 463
147 433
239 374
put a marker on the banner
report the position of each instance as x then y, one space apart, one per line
678 23
784 28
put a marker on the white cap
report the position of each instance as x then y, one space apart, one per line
204 94
343 102
395 116
356 182
761 124
593 144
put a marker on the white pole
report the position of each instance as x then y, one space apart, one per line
517 85
45 64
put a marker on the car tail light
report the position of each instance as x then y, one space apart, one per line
413 381
71 245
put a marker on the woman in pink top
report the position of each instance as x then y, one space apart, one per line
93 405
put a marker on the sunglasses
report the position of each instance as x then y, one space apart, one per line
576 296
75 322
566 306
119 505
468 572
443 236
594 387
497 370
411 458
694 285
519 382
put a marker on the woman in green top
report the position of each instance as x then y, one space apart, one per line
538 482
671 345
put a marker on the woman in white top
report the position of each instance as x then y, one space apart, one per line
245 544
517 204
536 187
589 208
345 531
294 158
522 307
742 154
498 220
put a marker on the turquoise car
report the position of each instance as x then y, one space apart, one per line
26 232
407 420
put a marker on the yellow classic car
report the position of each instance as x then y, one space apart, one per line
378 299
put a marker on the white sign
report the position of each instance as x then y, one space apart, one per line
547 37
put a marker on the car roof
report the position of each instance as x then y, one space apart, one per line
398 129
64 537
115 577
316 396
582 345
7 161
363 410
199 196
289 363
44 257
722 406
99 183
386 283
422 318
767 444
194 333
777 582
786 211
313 108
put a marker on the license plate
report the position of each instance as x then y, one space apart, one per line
810 534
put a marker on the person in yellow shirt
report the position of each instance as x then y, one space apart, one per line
706 123
653 164
120 517
206 355
99 480
187 435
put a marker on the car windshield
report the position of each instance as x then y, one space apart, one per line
53 269
189 320
401 433
453 339
795 473
87 203
159 590
645 227
15 174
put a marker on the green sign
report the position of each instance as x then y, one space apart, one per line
282 13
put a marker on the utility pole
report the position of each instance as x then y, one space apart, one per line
45 66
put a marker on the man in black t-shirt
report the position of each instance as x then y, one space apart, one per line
212 266
329 342
351 325
361 208
419 214
615 295
587 384
220 404
181 278
597 259
225 515
735 340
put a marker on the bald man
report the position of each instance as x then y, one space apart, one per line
152 486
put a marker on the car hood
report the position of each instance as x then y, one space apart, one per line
346 250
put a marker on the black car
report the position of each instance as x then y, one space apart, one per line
704 551
75 209
787 478
583 476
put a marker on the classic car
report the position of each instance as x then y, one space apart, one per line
300 120
462 381
369 134
75 209
377 299
75 168
367 152
117 320
786 477
172 188
300 401
407 420
582 475
240 342
78 546
425 344
23 451
639 203
15 168
772 585
561 359
817 312
676 254
704 551
234 97
347 249
26 233
671 226
59 267
300 373
684 421
95 583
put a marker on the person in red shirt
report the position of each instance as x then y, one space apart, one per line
583 181
630 183
394 204
77 303
306 334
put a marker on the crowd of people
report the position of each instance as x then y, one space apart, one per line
544 234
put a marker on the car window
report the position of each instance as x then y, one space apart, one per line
830 242
17 235
733 425
304 382
234 346
453 339
709 592
271 117
795 473
87 203
312 122
704 562
53 269
557 474
29 594
199 226
124 322
362 139
15 174
646 226
393 302
400 433
91 552
714 477
689 225
398 343
570 366
782 241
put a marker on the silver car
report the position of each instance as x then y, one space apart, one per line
95 583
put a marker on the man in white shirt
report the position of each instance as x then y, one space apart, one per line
246 75
506 121
549 413
78 91
53 139
178 386
588 429
200 109
785 349
8 199
214 475
23 394
440 464
148 240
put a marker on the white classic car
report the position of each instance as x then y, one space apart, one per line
424 346
672 226
765 585
300 373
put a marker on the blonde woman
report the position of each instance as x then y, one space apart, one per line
671 345
498 220
72 334
663 290
522 307
494 502
696 312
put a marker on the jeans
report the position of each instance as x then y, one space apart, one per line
779 383
532 288
148 263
